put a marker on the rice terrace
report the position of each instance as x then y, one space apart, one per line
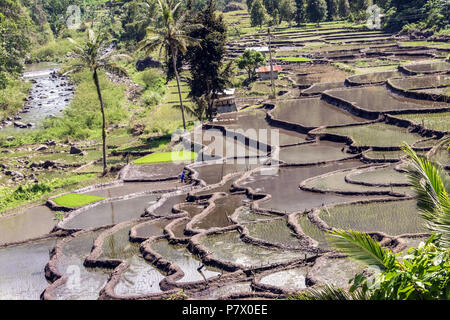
263 150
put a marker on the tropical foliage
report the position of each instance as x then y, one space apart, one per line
97 54
171 35
424 272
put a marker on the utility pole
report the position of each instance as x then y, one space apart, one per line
271 66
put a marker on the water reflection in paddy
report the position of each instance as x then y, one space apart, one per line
111 212
22 270
188 263
31 223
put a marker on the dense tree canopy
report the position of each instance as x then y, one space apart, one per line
206 59
15 41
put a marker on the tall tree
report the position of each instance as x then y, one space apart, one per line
332 9
287 10
249 61
344 8
172 35
300 16
96 55
208 76
14 37
317 10
258 14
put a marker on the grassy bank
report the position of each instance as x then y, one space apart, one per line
12 97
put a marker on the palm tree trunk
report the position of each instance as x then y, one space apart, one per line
174 62
97 84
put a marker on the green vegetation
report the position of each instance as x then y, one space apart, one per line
442 45
12 97
163 157
250 60
393 218
435 121
74 200
92 55
296 59
13 197
172 35
376 134
424 273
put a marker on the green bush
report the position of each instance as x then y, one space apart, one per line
11 197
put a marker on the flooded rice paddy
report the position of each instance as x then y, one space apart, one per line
262 226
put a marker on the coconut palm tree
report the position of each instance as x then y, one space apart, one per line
96 54
172 36
431 185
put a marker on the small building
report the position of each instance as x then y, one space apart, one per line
263 73
225 101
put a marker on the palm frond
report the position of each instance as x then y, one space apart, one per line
361 247
429 181
115 68
328 292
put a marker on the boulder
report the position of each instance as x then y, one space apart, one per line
75 150
41 148
148 62
19 124
50 142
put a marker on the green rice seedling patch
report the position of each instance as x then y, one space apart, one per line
163 157
74 200
386 175
246 215
376 134
274 231
393 217
336 182
435 121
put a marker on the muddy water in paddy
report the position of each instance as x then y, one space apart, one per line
31 223
229 247
185 260
224 207
283 186
379 98
193 209
49 95
22 270
338 272
292 279
111 213
251 122
166 208
134 187
140 277
429 67
154 171
313 113
312 153
178 229
216 293
422 82
151 228
214 173
375 77
70 264
221 188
